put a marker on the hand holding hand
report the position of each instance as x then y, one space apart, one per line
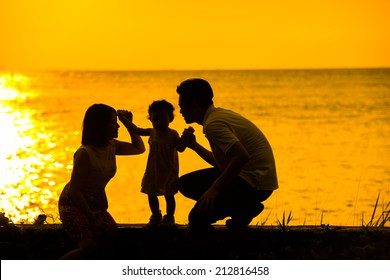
125 115
188 136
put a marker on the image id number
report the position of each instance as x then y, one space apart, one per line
231 270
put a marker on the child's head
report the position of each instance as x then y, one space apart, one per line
161 114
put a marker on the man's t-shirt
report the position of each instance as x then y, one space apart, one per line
223 128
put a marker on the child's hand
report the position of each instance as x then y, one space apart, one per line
124 114
188 136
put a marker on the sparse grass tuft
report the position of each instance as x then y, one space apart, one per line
265 221
284 223
382 219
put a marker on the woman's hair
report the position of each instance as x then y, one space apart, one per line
95 124
161 106
196 90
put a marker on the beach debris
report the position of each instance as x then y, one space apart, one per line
40 220
4 220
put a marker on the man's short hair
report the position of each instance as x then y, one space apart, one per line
196 90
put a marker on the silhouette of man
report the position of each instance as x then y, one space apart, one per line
243 173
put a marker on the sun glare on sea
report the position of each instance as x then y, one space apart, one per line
19 162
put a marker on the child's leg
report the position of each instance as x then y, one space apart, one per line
154 204
155 218
171 205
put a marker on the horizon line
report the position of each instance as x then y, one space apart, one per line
3 69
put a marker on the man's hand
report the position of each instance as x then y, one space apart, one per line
188 137
207 200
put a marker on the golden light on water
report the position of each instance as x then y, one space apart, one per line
8 87
23 170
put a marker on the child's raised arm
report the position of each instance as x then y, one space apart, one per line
137 130
143 131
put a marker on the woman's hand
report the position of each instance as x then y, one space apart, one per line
125 115
137 145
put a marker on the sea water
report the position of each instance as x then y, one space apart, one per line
329 130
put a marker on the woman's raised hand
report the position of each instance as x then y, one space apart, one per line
124 115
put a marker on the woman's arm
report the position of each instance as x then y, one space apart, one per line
137 145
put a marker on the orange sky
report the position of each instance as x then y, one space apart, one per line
201 34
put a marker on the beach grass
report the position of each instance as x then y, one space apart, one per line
383 218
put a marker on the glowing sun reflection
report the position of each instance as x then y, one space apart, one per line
25 180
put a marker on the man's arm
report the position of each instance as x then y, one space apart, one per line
189 138
205 154
239 156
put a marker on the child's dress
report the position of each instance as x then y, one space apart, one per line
162 169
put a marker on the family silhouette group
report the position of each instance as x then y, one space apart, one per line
242 176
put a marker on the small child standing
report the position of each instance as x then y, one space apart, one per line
162 169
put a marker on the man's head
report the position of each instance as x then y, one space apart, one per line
195 96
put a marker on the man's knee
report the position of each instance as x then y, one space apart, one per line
183 187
